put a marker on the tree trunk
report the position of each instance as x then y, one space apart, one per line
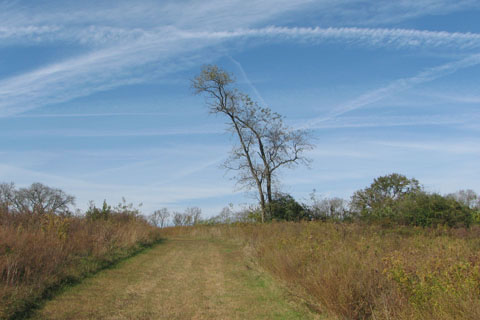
250 165
269 193
267 172
262 203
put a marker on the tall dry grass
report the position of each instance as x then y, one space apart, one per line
355 271
41 252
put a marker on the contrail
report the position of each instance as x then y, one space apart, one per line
396 87
247 80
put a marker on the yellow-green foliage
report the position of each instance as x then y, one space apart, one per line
356 271
438 276
476 217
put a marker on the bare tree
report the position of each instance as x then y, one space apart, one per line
178 219
328 208
265 143
190 217
226 215
41 199
466 197
7 196
160 217
193 215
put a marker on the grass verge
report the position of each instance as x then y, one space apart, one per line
40 255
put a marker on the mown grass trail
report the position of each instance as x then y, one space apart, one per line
178 279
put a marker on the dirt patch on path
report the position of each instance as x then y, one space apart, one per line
178 279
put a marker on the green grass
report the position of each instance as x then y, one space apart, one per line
178 279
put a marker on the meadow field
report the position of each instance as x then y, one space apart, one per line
410 256
334 270
288 160
360 271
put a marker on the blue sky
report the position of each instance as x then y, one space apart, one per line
95 96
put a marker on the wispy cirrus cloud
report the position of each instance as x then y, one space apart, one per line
453 147
392 121
379 37
148 14
126 48
395 87
174 49
467 97
382 12
97 71
27 33
190 131
93 115
220 14
132 43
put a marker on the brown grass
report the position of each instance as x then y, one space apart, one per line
354 271
39 253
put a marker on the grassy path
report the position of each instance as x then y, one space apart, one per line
178 279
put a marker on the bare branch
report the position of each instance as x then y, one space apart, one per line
265 142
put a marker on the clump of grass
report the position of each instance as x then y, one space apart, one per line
42 252
358 271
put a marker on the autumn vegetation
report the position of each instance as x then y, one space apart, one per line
364 271
393 251
44 246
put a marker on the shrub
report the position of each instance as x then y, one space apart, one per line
377 200
395 199
285 208
94 213
426 210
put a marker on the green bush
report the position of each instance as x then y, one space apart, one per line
122 211
377 202
426 210
395 199
94 213
476 216
285 208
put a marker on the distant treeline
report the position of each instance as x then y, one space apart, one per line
390 199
